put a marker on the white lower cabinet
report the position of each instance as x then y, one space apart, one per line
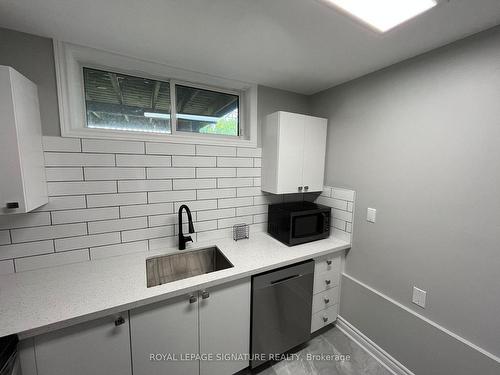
215 322
98 347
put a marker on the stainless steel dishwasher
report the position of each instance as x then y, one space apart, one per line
281 310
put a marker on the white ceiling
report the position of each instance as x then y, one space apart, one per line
297 45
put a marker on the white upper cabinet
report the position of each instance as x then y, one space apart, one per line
22 183
293 153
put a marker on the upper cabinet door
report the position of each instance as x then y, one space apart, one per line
98 347
225 326
291 151
168 327
22 185
313 171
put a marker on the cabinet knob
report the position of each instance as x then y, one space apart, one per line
306 188
325 319
192 299
119 321
300 188
329 262
327 300
327 282
205 294
11 205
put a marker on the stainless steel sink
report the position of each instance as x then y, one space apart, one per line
167 268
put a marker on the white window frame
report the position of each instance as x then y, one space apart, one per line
71 58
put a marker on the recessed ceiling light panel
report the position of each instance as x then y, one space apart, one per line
384 15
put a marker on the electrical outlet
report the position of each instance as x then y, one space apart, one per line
419 297
371 215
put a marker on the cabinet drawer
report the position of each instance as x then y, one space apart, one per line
324 317
325 299
326 280
326 264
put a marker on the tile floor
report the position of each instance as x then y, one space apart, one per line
328 342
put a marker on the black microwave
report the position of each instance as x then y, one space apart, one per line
294 223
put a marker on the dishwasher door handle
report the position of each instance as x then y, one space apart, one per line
279 281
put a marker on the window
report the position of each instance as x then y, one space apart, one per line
122 102
111 96
117 101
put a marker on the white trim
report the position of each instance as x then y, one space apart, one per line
427 320
385 359
69 59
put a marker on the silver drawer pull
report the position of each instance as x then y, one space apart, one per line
119 321
329 262
325 318
192 299
205 294
300 188
327 300
327 282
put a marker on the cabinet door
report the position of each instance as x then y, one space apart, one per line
291 153
166 328
225 326
313 171
97 347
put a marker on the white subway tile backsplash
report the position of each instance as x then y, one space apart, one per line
83 215
327 192
34 219
339 224
199 226
146 209
234 182
26 249
248 191
234 162
235 202
51 260
48 232
215 234
348 227
251 210
267 199
171 196
116 225
64 203
248 172
193 161
197 205
215 172
55 159
160 173
114 173
120 199
195 183
215 214
77 188
260 218
143 161
119 249
112 147
92 240
163 243
332 202
4 237
169 149
249 152
344 194
350 206
144 185
229 222
341 235
167 219
6 267
257 162
257 181
147 233
61 144
215 150
342 215
64 174
216 193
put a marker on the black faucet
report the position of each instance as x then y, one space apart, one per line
183 239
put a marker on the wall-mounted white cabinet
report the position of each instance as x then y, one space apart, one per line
22 184
293 153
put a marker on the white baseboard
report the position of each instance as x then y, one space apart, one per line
384 358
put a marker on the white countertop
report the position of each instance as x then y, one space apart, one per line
39 301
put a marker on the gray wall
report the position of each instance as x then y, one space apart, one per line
33 56
271 100
420 142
